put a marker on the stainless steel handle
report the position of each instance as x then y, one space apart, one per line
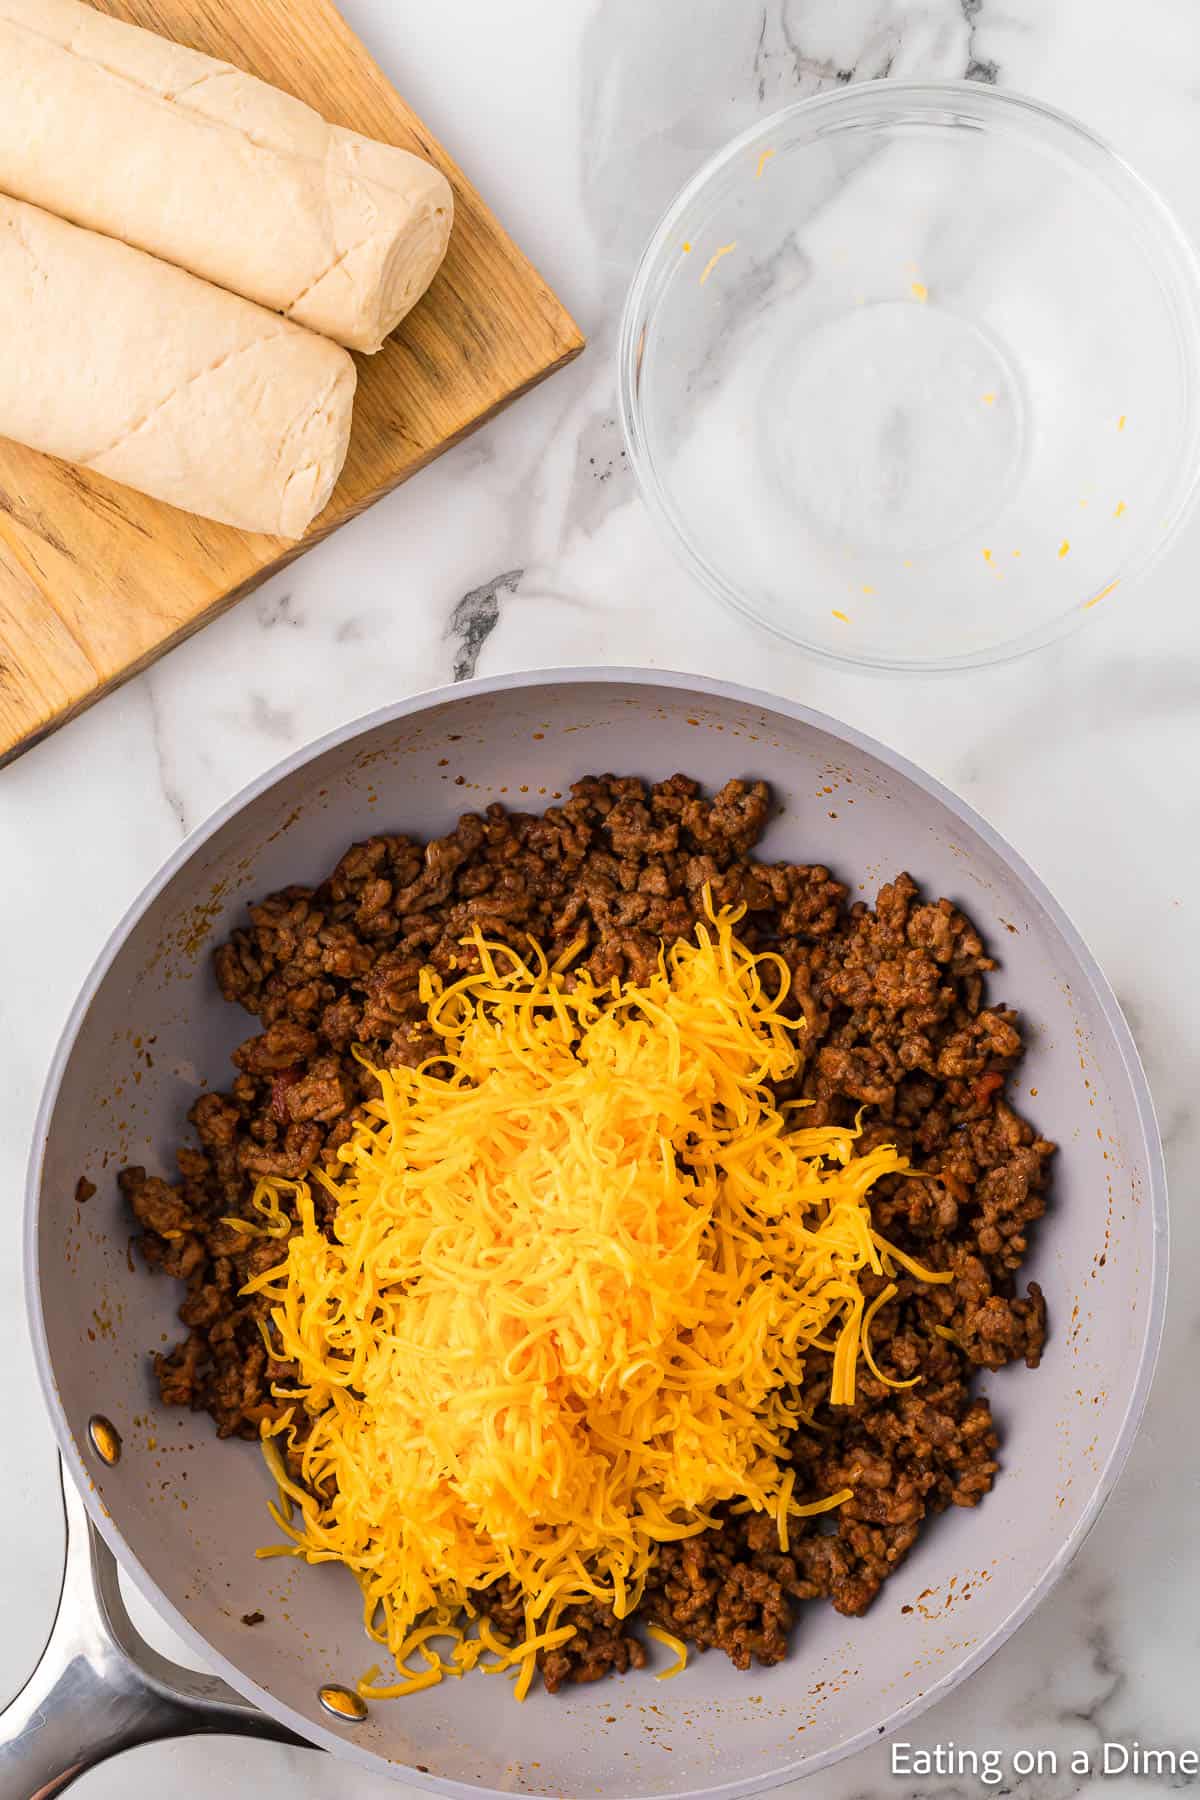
99 1688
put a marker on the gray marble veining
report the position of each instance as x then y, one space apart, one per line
475 618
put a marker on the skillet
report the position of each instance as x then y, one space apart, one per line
183 1516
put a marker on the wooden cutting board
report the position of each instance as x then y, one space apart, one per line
96 581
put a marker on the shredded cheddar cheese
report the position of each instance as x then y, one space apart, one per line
714 259
1102 595
672 1643
576 1264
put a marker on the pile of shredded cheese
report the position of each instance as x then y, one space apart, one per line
576 1266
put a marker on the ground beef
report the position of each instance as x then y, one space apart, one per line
899 1030
602 1642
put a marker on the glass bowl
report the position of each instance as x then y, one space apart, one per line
910 374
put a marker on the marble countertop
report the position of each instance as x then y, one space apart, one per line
528 546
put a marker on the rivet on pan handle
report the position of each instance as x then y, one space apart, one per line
99 1689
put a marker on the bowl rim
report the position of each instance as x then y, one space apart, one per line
707 688
1176 260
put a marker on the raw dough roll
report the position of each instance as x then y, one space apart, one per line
139 371
205 166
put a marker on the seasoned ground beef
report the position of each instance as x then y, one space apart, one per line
899 1030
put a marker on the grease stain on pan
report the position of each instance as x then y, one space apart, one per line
935 1603
187 936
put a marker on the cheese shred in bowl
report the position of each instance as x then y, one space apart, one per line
574 1268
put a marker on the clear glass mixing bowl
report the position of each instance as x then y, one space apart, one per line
910 373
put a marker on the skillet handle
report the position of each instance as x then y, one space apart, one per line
99 1688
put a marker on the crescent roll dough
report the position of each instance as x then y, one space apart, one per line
195 161
139 371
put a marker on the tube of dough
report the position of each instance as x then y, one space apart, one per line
133 369
127 133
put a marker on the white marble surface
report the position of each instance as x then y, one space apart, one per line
528 546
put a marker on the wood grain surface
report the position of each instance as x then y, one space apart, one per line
97 581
